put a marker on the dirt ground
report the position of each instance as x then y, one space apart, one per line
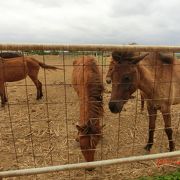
42 133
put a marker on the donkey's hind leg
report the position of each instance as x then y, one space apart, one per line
38 85
40 89
168 129
3 95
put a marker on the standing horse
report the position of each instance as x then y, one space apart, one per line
87 82
18 68
158 84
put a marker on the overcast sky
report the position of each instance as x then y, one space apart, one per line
90 21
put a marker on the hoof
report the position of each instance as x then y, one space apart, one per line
148 147
77 139
38 98
171 146
171 150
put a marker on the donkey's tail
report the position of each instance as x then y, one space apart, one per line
45 66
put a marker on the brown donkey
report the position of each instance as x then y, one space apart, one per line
18 68
87 82
156 75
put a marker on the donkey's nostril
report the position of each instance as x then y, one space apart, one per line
111 105
114 107
108 80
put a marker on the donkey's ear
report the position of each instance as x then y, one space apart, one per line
79 128
166 58
116 56
137 59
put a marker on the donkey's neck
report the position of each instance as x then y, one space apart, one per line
146 82
90 110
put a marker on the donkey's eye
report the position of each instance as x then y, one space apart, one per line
127 82
126 79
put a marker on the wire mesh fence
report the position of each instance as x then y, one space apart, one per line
41 133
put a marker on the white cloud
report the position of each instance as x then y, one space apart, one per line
86 21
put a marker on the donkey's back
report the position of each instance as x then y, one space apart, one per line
164 70
85 72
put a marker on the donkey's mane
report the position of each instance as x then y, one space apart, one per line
118 56
122 56
86 72
166 58
8 55
123 53
94 91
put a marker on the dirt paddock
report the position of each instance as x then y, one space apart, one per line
42 133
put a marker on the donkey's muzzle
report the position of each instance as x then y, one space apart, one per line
115 107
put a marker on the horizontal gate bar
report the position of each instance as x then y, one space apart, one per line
89 47
33 171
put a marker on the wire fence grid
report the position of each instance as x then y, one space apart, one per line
41 133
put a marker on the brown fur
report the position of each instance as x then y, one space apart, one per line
18 68
156 75
87 82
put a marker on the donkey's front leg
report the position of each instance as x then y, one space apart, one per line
167 124
5 98
152 120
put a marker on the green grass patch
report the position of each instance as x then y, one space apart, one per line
170 176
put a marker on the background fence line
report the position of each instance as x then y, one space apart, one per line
88 47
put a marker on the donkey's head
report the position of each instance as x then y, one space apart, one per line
124 76
89 136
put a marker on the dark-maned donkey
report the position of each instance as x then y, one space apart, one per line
156 75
